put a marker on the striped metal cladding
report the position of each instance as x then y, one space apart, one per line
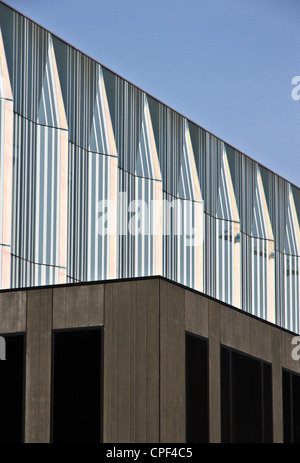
6 142
81 148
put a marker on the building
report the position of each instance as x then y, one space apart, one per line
126 226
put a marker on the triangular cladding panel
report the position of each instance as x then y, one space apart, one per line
51 190
102 138
188 185
102 189
262 262
292 237
148 190
147 164
261 225
226 204
5 87
51 108
2 85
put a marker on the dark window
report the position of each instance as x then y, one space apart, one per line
291 406
246 398
12 390
77 386
196 389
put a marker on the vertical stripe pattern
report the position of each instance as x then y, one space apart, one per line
6 159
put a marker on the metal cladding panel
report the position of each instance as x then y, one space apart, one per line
99 180
6 160
39 211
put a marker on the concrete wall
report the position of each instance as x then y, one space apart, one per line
131 362
13 311
172 363
144 322
223 325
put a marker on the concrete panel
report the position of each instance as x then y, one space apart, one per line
259 339
214 315
247 334
277 385
83 305
21 302
38 365
152 359
12 311
287 348
196 314
172 363
131 362
78 306
231 327
145 362
96 305
110 367
125 300
71 307
59 308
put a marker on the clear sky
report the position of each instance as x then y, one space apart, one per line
227 65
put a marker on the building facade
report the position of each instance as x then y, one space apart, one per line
102 183
99 180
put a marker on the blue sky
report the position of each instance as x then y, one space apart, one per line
225 64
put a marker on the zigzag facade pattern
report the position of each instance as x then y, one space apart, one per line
74 135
